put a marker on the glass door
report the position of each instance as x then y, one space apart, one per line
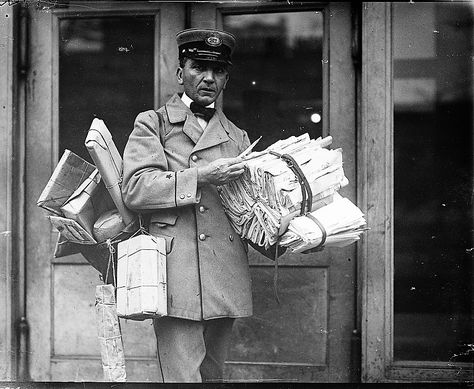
292 74
106 60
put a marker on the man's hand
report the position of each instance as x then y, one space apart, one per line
221 171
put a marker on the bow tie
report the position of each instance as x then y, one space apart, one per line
203 112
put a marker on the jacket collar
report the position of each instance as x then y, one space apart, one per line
215 133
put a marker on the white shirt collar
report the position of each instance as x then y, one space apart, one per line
187 101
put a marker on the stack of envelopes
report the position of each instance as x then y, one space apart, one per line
261 203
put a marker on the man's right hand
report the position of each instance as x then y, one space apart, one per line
221 171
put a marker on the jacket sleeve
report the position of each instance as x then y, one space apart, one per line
147 182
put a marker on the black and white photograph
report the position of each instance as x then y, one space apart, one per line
236 192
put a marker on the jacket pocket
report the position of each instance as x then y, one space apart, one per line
160 224
163 219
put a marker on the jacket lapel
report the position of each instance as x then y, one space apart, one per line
178 112
214 134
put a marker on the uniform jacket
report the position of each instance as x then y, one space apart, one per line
207 265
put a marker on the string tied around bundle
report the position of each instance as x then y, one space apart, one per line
305 210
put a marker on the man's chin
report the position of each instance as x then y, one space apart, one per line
204 100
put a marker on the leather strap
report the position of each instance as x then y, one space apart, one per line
306 205
323 230
307 194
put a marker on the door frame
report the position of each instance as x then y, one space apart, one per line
11 193
375 174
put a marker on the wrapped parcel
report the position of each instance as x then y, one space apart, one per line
105 155
70 172
88 202
141 278
110 336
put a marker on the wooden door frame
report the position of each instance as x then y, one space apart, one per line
375 161
10 193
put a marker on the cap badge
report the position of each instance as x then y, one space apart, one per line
213 40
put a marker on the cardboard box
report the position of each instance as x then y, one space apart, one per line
105 155
69 174
141 278
88 202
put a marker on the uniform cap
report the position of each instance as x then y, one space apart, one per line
206 45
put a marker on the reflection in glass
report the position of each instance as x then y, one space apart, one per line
106 71
293 331
433 181
275 90
275 87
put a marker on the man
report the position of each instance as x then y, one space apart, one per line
172 163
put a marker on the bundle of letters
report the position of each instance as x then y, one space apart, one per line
288 194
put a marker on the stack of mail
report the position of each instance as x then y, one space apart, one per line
342 221
261 202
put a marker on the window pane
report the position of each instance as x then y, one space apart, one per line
433 180
275 90
276 87
106 71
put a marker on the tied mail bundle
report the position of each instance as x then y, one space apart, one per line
288 195
86 207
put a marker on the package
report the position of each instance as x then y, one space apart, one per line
105 155
71 230
110 337
141 278
68 175
88 202
109 225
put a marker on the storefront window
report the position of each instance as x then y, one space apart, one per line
433 230
106 70
277 91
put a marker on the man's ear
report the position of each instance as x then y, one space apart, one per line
225 82
179 75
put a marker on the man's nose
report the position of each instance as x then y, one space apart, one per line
209 75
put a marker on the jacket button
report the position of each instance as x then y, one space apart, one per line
202 237
182 196
194 158
202 209
189 194
231 237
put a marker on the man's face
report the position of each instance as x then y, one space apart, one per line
203 81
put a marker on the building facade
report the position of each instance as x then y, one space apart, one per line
392 83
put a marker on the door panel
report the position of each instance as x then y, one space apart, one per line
86 61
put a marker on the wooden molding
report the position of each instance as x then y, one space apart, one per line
7 225
375 188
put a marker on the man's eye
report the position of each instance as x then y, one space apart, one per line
219 70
